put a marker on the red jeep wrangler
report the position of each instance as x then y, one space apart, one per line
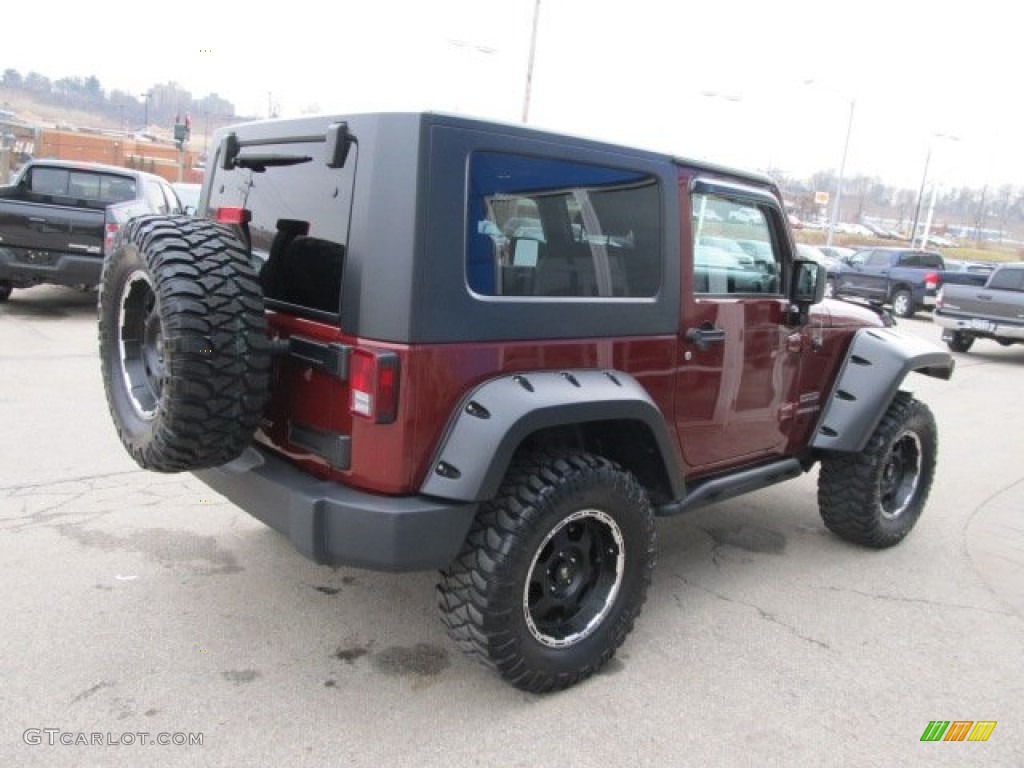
415 341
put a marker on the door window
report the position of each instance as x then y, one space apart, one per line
733 248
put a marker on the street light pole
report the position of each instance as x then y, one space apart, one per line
834 218
920 195
839 180
529 64
920 192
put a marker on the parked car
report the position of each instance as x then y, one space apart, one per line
188 194
970 267
831 264
837 252
995 311
904 278
389 392
854 229
878 231
54 222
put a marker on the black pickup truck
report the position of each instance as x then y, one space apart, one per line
994 311
59 217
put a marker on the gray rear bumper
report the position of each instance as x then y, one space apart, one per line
335 525
980 327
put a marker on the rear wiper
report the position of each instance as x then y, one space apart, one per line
260 163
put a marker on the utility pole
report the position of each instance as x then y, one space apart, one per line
529 65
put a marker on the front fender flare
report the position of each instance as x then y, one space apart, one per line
876 364
494 419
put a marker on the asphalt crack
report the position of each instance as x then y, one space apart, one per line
765 615
919 600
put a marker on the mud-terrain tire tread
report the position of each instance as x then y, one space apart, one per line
215 344
849 483
480 601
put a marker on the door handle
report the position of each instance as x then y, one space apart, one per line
705 336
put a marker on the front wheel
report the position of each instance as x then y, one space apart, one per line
553 572
874 498
960 341
903 304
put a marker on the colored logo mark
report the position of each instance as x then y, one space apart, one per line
958 730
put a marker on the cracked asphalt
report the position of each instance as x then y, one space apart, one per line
138 603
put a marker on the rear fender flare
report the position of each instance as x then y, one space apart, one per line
494 419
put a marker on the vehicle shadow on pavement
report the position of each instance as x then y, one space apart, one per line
49 302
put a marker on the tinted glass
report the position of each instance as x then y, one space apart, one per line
1008 280
100 188
299 225
544 227
733 249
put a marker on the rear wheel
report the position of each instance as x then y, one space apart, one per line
960 341
554 571
903 303
5 290
182 343
874 498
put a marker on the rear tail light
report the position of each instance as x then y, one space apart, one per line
931 281
108 236
239 216
373 385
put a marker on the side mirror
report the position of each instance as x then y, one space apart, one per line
808 286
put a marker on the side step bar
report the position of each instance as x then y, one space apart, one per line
734 484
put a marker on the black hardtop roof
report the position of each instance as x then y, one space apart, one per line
306 125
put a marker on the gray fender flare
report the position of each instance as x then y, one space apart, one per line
495 418
876 364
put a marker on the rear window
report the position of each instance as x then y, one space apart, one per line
545 227
1008 280
299 224
100 189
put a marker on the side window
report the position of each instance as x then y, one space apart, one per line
733 248
84 186
877 259
545 227
1008 280
116 189
49 181
154 196
173 205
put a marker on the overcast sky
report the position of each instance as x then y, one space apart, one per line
634 72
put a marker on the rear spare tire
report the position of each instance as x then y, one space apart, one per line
183 343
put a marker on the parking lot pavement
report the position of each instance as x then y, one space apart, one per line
139 603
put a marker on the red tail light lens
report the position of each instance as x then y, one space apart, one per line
239 216
373 385
931 280
108 236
